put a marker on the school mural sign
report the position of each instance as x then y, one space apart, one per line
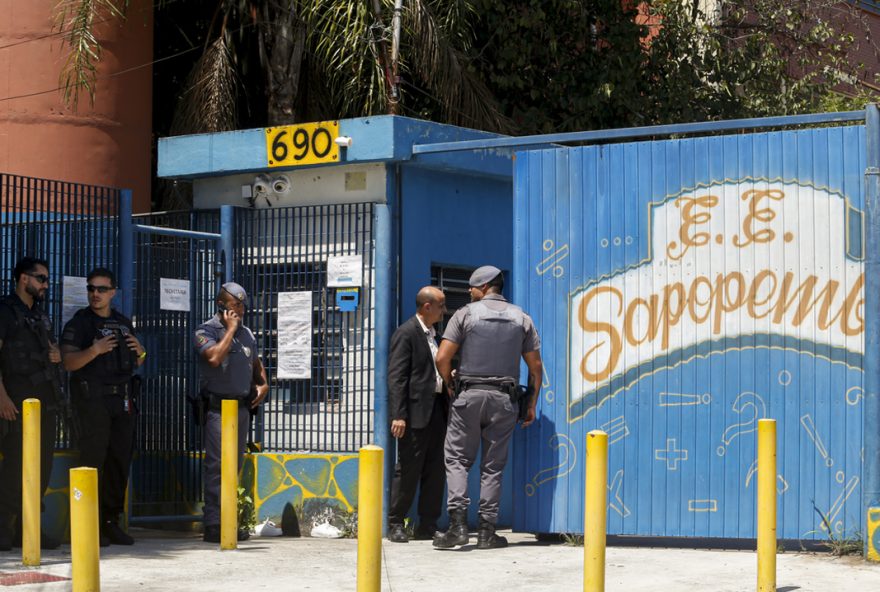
729 265
684 290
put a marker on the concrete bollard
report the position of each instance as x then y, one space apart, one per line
766 505
229 476
30 483
84 549
369 557
595 511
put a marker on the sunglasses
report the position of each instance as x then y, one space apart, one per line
40 277
99 289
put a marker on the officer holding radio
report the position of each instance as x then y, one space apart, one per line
229 368
99 348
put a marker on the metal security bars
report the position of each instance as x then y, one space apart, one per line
286 250
167 475
72 226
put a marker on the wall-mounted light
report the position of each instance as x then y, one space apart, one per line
343 141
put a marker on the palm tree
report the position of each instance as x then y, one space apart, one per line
306 60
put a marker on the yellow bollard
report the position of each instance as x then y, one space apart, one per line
595 510
30 483
84 550
370 485
766 505
229 476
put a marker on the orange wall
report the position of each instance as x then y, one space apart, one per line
108 144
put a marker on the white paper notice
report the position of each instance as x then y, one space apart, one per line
75 296
173 294
345 271
294 335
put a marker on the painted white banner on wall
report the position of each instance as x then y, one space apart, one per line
173 294
772 260
294 335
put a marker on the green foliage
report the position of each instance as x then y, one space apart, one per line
563 65
247 516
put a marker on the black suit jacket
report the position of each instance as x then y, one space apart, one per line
411 376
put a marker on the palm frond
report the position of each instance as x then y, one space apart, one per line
76 20
208 102
442 66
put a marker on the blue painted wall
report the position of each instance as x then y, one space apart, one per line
605 238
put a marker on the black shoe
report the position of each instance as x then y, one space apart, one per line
397 534
212 534
46 541
487 539
427 532
5 539
457 533
111 531
102 539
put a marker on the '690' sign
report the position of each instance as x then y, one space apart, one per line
307 143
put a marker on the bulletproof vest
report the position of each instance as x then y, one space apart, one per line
493 344
116 365
25 350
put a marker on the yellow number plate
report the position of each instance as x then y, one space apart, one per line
307 143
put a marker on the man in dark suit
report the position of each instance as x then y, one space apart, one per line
418 408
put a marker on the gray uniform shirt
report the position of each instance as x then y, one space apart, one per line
232 377
492 334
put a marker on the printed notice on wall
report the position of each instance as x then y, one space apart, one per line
75 297
294 335
174 294
345 271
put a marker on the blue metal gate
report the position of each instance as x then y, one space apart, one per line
684 289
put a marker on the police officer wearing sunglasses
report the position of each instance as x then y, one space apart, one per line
100 349
28 369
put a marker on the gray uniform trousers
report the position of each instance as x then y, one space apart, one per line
478 416
213 443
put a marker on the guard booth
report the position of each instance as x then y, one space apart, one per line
332 228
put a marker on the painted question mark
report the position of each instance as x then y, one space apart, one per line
745 400
569 460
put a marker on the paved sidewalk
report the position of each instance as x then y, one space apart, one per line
162 561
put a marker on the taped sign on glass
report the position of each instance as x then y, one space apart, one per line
174 294
294 335
74 297
345 271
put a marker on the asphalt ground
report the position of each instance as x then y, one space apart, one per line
165 561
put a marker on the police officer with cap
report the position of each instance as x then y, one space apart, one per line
99 347
28 369
491 336
229 366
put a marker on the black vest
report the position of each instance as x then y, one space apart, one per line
24 358
117 365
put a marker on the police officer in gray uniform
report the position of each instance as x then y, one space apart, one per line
229 366
491 335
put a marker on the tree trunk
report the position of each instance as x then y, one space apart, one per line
282 41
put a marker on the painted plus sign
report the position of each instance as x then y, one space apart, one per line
671 455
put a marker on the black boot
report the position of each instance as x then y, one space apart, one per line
111 533
5 533
486 537
457 533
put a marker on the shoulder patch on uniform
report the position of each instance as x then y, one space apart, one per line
201 339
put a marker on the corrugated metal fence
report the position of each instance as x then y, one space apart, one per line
683 290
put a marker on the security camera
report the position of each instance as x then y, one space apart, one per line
343 141
262 185
281 184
